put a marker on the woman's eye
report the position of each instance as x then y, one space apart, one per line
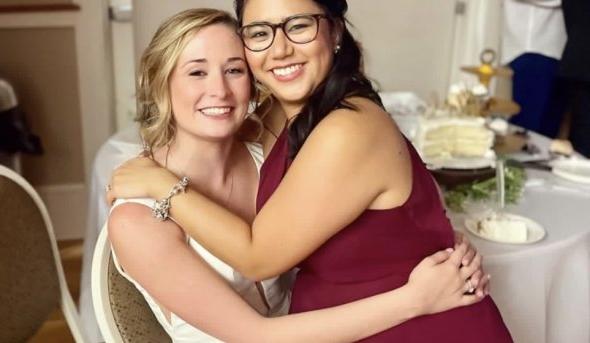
259 34
235 71
197 73
298 27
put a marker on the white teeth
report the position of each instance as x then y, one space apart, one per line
287 70
215 111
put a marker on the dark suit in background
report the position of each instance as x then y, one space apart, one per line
575 69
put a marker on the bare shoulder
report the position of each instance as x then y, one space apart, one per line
365 127
130 223
371 143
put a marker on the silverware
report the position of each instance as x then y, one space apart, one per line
538 164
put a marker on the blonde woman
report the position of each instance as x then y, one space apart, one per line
193 95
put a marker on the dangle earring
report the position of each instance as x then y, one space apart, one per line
337 49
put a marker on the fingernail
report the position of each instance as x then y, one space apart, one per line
489 276
450 250
480 294
474 282
464 262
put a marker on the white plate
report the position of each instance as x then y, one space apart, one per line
535 231
576 170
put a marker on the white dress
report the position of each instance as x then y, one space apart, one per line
276 290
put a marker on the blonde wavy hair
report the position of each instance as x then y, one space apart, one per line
154 107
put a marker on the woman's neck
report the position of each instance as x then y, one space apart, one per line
206 163
290 110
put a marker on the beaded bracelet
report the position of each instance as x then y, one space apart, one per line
161 207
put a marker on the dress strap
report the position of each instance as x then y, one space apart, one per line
255 150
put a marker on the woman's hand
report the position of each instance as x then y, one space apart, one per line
140 177
479 280
439 283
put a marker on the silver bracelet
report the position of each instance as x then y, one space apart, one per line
162 207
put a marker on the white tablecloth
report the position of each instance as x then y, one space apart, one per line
542 290
119 148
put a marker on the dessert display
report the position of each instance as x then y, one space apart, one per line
485 72
455 134
460 134
449 137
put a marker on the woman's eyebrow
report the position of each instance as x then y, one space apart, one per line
233 59
198 60
258 22
274 22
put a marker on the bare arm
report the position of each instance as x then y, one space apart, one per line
155 254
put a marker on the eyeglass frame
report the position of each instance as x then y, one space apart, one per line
317 17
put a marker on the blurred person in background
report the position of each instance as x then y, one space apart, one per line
532 43
575 70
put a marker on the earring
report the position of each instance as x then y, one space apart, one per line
337 49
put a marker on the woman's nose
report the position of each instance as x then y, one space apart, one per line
281 46
217 86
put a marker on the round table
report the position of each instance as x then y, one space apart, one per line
543 289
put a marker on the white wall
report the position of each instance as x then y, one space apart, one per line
123 50
411 45
407 43
149 14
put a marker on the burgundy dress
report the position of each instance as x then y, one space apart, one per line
377 252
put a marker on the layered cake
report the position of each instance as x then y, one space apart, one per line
449 137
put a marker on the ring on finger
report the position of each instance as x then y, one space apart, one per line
469 287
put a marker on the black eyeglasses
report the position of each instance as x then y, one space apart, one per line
299 29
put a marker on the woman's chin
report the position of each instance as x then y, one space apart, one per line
293 99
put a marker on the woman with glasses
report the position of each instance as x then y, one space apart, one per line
342 195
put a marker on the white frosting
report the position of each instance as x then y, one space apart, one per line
499 126
501 228
453 137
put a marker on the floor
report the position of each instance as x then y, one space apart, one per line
55 329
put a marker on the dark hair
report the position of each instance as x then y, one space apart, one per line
345 78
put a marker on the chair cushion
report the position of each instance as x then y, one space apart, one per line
134 318
29 290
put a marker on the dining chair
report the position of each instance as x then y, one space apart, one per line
121 311
33 281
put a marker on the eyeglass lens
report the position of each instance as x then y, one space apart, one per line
301 29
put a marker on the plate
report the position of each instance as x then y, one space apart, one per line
455 177
576 170
535 231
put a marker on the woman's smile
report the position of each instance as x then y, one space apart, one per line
288 72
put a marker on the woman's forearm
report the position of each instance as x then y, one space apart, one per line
223 233
346 323
194 292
